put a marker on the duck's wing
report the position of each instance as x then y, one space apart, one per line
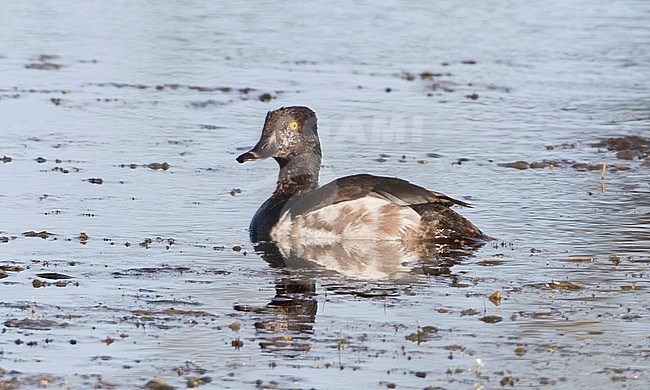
397 191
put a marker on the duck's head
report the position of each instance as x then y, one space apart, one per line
288 132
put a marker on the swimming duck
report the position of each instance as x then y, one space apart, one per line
357 207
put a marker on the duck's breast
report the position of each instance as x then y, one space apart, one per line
366 218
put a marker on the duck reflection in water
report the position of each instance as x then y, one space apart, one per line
362 225
292 311
364 260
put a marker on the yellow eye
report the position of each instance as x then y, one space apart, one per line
293 126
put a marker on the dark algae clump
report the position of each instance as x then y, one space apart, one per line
628 147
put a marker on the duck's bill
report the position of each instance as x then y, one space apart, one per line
248 156
264 149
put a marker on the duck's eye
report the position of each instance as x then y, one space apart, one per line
293 126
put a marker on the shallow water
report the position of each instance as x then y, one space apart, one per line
141 84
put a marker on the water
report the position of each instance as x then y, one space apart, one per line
544 75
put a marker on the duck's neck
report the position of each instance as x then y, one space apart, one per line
298 175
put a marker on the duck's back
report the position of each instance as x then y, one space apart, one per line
371 207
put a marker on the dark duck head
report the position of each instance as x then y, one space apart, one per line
290 136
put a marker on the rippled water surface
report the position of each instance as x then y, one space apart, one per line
157 100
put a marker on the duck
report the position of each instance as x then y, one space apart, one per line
356 207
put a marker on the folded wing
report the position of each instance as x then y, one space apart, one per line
396 191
